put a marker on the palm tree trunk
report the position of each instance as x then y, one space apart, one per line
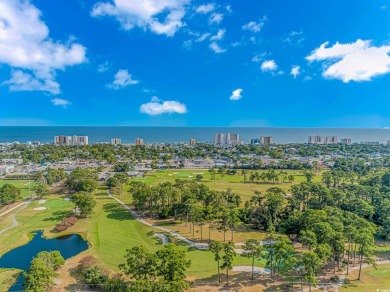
253 264
349 250
210 232
227 276
361 263
219 275
201 232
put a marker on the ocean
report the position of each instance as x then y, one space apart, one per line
183 134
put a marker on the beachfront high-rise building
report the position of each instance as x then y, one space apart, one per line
139 141
322 140
192 141
256 141
346 141
265 140
62 140
80 140
232 139
219 139
116 141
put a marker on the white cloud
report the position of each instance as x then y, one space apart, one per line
268 65
255 26
25 45
21 81
206 8
60 102
295 38
295 71
259 57
103 67
203 37
159 107
358 61
216 18
229 8
216 48
163 17
236 94
220 34
122 79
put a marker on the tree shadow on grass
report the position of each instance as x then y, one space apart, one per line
117 212
59 216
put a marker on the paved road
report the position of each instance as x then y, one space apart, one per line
14 221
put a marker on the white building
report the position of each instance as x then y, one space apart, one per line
322 140
116 141
219 139
346 141
80 140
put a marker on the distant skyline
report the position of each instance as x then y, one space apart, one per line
195 63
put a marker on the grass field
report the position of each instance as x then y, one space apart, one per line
7 278
30 220
371 280
236 182
110 231
27 186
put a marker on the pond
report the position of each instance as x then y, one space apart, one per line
20 257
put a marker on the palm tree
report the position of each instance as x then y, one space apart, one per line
252 249
216 248
227 259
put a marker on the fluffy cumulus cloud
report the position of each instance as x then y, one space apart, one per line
216 18
60 102
255 26
358 61
158 107
236 94
26 47
206 8
268 65
163 17
220 34
216 48
122 79
295 71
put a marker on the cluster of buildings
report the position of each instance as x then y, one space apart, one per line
263 140
70 140
322 140
328 140
228 139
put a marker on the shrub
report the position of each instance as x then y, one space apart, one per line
86 263
66 223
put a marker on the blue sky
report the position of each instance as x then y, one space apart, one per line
195 63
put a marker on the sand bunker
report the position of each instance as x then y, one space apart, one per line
198 173
40 208
170 174
42 202
257 270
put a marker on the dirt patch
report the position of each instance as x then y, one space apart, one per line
257 270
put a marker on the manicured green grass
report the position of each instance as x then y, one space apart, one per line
27 186
110 231
371 279
235 182
31 220
7 278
